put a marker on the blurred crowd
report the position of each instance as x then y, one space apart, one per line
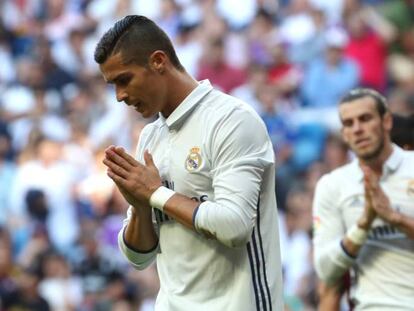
290 60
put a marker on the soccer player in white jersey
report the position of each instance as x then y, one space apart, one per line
201 188
364 211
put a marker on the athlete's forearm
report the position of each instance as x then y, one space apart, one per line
227 224
182 209
139 233
331 261
330 296
402 222
364 223
351 248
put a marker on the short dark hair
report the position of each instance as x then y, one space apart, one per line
380 101
136 37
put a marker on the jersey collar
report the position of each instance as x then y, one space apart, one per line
178 116
394 161
390 166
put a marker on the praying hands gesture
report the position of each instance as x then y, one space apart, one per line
369 213
379 200
136 181
382 205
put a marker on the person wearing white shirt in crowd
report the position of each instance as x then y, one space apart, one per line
205 173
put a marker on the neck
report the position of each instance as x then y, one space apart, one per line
377 163
181 84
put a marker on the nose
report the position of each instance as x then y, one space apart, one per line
357 128
121 95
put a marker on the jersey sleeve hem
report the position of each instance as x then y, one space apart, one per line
139 259
333 263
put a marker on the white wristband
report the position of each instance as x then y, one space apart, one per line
357 235
160 197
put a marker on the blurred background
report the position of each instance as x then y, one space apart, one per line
290 60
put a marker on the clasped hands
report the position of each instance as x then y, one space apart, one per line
136 181
377 202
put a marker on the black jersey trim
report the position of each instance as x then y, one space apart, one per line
258 268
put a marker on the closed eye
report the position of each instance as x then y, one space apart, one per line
365 117
347 122
362 118
123 80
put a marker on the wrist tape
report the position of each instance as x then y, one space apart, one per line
160 197
357 235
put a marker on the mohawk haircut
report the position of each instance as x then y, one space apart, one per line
136 37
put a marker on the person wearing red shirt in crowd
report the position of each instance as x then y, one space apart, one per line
369 35
213 66
283 74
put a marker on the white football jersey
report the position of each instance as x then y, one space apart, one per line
383 272
215 149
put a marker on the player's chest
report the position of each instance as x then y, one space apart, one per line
399 190
183 158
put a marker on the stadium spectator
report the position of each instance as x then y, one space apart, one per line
61 289
213 65
296 244
7 268
335 152
363 218
283 74
26 294
7 173
259 33
369 35
57 183
334 73
249 91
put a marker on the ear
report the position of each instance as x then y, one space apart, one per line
342 130
157 61
343 135
387 121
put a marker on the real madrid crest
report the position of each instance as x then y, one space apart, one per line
194 160
410 188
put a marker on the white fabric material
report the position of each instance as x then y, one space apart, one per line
383 269
189 54
357 235
61 292
246 93
7 71
238 14
215 149
332 8
295 248
298 28
160 197
54 180
138 259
